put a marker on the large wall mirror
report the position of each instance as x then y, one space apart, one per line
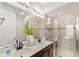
7 28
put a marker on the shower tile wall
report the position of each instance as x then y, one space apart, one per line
38 26
42 29
66 47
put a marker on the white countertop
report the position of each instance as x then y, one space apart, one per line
34 49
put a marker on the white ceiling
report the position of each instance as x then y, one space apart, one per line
47 6
70 8
53 8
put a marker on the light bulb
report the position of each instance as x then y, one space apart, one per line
21 13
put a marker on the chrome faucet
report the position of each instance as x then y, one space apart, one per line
19 45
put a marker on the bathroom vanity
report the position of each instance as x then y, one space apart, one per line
43 49
45 52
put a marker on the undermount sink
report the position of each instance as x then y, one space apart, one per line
22 51
29 44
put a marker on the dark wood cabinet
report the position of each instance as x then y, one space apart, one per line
38 54
51 52
46 52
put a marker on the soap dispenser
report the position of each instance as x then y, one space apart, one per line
39 40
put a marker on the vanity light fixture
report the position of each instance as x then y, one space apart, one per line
38 12
25 4
1 20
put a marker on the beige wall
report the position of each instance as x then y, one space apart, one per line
20 28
